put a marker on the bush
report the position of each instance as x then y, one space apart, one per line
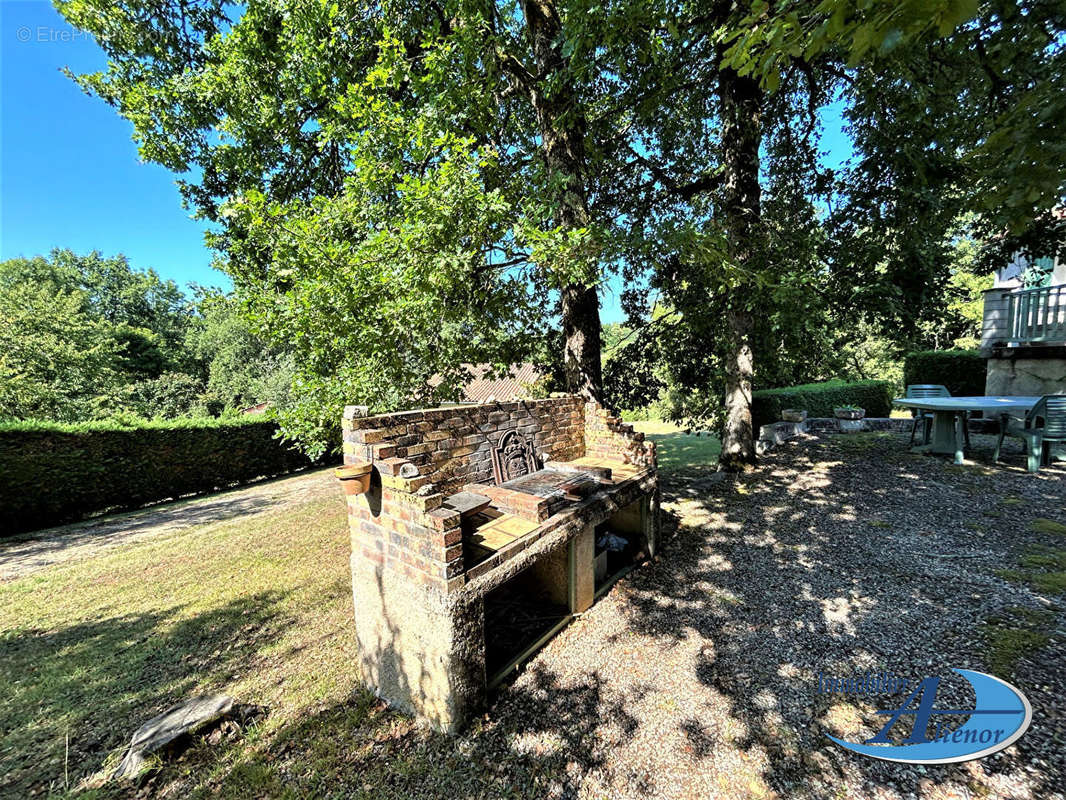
962 371
638 414
819 399
52 473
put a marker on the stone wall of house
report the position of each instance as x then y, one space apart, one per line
1023 377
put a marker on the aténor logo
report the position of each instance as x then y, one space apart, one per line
1001 714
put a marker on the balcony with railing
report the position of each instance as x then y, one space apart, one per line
1023 317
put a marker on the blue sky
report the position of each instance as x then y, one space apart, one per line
70 175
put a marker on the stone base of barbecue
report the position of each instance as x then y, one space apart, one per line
423 652
426 550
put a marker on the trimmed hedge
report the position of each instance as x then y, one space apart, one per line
52 473
962 371
819 399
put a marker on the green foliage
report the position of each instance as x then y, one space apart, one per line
962 371
677 354
240 368
87 337
963 311
80 331
947 125
377 191
777 30
144 315
170 396
613 336
54 357
966 97
819 399
148 314
377 179
371 318
52 473
673 366
867 354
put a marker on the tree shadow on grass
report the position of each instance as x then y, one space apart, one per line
539 738
97 681
764 581
542 745
862 565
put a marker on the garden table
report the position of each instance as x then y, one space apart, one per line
949 415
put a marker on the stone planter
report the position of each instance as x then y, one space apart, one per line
354 478
794 415
849 413
849 420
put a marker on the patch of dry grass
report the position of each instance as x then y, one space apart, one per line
259 608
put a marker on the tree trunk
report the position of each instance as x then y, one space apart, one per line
741 107
738 440
562 128
581 328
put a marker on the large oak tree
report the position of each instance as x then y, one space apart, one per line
398 188
395 188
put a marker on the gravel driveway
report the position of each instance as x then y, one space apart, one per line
696 676
29 552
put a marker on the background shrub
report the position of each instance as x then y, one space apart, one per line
52 473
819 399
962 371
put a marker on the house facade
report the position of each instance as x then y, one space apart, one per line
1023 334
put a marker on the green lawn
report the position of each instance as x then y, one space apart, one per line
679 450
258 607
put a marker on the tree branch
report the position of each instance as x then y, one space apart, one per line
685 190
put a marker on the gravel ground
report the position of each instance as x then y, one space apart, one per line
696 675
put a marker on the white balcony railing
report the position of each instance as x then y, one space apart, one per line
1025 316
1038 315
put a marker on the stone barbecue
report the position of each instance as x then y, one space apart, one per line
478 531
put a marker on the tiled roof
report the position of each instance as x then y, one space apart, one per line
481 388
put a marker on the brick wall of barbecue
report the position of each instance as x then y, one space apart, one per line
607 437
411 533
453 446
423 545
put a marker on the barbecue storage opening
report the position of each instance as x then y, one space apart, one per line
483 530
